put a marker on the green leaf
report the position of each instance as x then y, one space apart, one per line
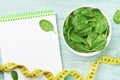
46 25
99 43
79 19
74 37
68 21
107 32
101 24
82 48
91 37
68 33
87 12
116 17
85 31
79 47
14 75
96 12
78 11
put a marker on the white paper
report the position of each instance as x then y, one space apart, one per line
24 42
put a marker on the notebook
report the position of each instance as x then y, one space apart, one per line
23 41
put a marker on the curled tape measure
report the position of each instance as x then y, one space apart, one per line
61 75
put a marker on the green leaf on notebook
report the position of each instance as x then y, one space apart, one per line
46 25
14 75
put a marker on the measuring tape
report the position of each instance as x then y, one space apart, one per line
61 75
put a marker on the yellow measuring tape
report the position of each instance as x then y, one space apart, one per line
61 75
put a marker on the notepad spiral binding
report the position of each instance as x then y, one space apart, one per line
27 15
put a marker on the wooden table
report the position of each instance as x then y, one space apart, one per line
62 8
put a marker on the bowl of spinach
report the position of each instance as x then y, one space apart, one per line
86 31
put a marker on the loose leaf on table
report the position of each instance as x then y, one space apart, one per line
46 25
116 17
14 75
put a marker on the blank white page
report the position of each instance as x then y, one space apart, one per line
24 42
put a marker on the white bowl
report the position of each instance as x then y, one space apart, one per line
93 53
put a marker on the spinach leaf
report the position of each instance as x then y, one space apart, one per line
46 25
68 21
101 24
80 27
91 37
107 32
68 33
85 31
80 47
14 75
78 11
79 19
76 38
87 12
116 17
99 43
96 12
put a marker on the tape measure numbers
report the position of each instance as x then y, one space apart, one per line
61 75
